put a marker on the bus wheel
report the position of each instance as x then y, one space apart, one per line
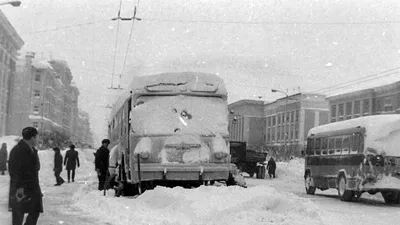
391 197
308 184
345 195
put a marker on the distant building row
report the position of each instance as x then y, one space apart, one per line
44 97
284 124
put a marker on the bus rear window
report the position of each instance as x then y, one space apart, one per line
357 143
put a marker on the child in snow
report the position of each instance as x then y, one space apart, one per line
3 158
271 167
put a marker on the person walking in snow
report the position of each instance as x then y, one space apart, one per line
3 158
25 192
71 160
271 167
101 163
58 164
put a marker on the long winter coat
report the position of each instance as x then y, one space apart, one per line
71 159
24 166
58 162
271 166
3 158
102 157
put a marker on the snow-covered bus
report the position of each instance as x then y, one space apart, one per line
170 128
355 156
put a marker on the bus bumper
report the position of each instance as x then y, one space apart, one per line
185 172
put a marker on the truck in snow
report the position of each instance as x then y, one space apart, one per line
170 129
355 156
247 160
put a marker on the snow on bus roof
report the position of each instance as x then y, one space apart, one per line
375 121
179 77
382 132
140 82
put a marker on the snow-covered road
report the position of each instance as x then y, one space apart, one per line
369 209
277 201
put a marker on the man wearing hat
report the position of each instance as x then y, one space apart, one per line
101 163
71 161
58 163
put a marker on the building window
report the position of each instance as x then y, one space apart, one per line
36 109
365 107
37 93
348 110
333 111
37 76
279 119
35 124
297 116
356 109
269 121
292 116
341 111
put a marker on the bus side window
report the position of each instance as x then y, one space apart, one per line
310 146
338 145
331 146
358 143
346 145
318 146
324 145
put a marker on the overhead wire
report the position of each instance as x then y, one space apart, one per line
129 41
358 81
116 44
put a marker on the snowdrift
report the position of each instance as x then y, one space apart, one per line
204 205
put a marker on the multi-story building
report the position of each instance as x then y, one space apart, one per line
289 120
63 73
379 100
10 43
35 100
247 123
280 125
45 98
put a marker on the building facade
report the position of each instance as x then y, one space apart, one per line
288 121
247 123
277 126
45 98
10 44
373 101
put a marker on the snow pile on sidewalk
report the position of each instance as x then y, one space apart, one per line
204 205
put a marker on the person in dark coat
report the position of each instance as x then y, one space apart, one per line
101 163
58 164
3 158
71 161
271 167
25 192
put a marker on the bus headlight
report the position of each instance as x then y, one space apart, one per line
143 148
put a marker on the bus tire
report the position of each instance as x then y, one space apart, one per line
310 190
391 197
344 194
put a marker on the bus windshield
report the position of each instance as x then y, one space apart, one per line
155 115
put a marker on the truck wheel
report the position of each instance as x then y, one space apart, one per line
310 190
344 195
251 174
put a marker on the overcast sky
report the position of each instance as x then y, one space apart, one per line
254 45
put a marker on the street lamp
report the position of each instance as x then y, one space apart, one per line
13 3
286 103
